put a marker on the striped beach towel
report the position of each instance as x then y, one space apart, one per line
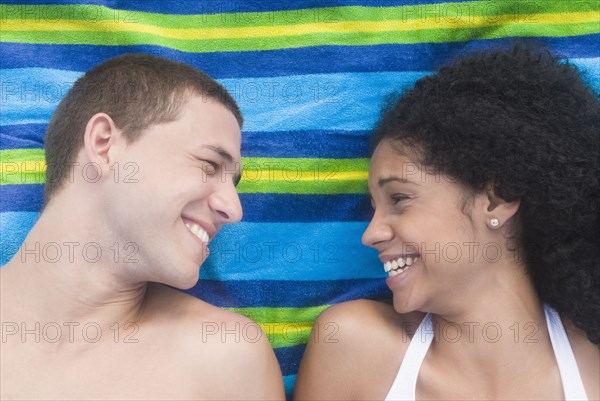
310 78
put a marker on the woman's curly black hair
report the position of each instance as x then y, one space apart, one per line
523 122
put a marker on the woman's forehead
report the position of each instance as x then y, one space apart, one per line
390 156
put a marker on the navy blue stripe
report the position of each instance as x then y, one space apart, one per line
261 63
325 144
289 358
319 143
229 6
305 208
24 136
21 198
257 207
275 293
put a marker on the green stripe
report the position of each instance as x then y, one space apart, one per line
324 187
294 335
249 163
21 155
449 10
305 164
279 315
295 320
318 39
7 176
324 172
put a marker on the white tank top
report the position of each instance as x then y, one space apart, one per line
404 386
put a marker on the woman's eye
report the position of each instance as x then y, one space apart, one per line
396 198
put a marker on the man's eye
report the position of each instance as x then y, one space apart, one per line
210 168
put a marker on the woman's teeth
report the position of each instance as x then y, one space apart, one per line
397 266
198 232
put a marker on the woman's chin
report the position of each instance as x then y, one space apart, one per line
402 305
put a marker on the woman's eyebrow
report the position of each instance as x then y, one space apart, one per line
382 181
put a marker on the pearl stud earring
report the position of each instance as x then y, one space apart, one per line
494 222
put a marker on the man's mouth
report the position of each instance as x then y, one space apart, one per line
399 265
198 232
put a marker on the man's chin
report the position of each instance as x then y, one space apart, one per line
185 278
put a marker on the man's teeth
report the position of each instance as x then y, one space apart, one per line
397 266
198 232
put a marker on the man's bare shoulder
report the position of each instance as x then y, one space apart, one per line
355 348
229 348
196 323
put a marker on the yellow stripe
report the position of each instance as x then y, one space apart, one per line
285 329
302 29
23 167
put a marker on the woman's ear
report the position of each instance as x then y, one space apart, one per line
498 211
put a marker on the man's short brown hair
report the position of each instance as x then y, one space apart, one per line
136 91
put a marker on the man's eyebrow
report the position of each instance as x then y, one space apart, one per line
222 152
383 181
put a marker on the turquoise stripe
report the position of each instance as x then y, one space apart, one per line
345 101
288 382
14 227
342 101
30 95
259 251
291 251
590 69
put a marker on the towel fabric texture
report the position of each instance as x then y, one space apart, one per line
311 78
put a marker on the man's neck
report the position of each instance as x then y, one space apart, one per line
64 273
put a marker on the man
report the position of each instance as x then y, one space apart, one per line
143 155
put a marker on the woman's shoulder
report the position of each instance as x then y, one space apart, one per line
361 316
355 351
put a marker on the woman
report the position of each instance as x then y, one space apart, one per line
484 182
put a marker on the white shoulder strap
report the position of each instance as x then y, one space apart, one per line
405 384
569 373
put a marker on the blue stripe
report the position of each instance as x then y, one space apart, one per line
336 144
289 382
14 228
266 251
291 251
305 208
345 101
24 136
399 57
325 144
21 198
216 7
30 95
289 358
257 207
309 102
590 70
271 293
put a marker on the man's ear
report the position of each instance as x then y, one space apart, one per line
101 133
497 210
